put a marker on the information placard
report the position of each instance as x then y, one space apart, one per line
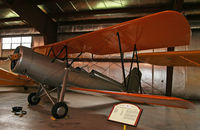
125 113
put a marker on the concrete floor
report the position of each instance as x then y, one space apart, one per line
88 112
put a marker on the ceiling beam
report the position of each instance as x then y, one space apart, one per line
191 6
15 27
128 10
193 17
111 20
38 2
3 58
10 19
3 6
36 18
177 5
20 35
73 33
96 21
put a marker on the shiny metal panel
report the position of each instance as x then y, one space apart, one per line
41 69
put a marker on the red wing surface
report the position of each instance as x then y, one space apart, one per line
159 30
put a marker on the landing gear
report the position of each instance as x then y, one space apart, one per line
33 99
59 110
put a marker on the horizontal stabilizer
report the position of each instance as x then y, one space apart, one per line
144 98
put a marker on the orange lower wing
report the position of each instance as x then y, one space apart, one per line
144 98
163 29
179 58
9 79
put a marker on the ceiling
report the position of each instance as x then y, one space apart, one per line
46 15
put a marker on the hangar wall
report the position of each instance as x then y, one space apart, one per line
186 81
5 64
192 87
36 41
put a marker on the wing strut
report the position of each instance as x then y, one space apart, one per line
122 60
56 57
132 60
51 50
131 67
134 54
138 69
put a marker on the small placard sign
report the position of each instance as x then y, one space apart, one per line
125 113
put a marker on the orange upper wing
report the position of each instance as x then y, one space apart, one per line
163 29
178 58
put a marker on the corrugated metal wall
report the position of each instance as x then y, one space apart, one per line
192 79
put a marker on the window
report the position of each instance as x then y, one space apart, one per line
14 42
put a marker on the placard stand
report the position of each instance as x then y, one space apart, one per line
125 113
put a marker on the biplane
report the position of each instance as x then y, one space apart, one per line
50 66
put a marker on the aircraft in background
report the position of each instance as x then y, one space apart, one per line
49 65
11 79
8 78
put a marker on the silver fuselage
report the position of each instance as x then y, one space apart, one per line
41 69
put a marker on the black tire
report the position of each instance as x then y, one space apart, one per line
32 99
59 110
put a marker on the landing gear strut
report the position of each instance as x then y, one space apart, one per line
59 109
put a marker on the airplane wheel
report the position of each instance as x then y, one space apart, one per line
59 110
32 99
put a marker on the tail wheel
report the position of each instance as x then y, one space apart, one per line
33 99
59 110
